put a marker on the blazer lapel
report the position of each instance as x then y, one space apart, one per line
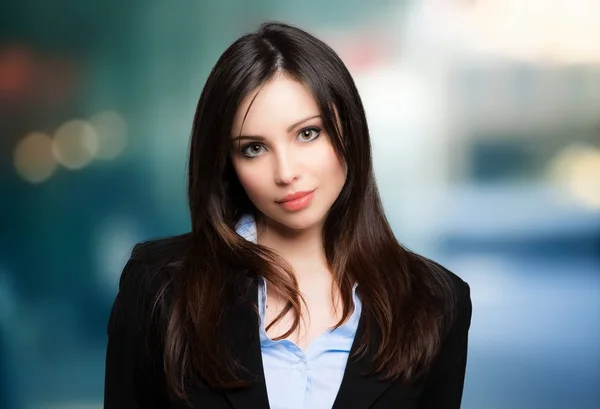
243 332
359 391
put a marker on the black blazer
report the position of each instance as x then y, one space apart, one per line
134 377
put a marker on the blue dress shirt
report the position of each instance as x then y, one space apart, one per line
298 379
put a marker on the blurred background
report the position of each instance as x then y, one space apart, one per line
485 121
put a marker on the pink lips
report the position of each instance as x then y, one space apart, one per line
296 201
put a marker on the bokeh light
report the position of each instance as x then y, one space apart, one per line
16 69
75 144
577 170
111 130
33 157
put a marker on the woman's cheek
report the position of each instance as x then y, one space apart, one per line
253 183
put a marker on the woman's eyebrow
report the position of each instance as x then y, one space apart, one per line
290 129
254 138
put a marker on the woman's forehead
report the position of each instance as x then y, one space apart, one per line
278 104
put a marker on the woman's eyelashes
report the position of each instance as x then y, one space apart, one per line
309 134
254 149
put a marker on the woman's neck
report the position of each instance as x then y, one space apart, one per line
303 250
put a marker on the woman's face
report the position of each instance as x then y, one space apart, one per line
283 157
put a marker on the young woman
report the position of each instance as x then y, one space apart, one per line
291 290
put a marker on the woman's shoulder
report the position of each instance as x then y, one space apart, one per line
459 286
153 260
161 251
147 274
454 289
457 301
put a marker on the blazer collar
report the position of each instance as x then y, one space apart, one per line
243 330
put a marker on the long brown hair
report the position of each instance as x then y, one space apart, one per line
406 295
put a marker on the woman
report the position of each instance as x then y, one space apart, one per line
291 290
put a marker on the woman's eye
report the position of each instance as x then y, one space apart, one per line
252 150
309 134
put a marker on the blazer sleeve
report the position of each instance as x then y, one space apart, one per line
133 357
444 385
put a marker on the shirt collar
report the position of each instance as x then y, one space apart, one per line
246 228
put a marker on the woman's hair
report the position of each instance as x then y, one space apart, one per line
405 294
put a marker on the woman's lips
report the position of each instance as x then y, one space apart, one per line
297 201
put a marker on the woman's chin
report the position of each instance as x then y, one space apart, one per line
297 222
